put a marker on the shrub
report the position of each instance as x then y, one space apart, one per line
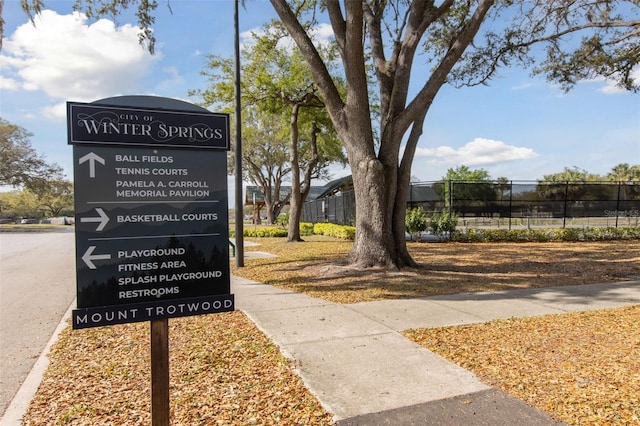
443 224
552 234
264 232
273 232
540 235
566 234
630 232
470 236
337 231
306 228
283 220
416 221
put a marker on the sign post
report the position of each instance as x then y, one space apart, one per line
152 229
160 372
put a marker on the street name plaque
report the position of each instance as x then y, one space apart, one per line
152 239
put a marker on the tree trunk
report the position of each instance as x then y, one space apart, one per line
380 217
403 185
381 187
380 183
273 211
295 201
374 243
304 187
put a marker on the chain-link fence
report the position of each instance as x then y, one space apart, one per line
506 204
339 209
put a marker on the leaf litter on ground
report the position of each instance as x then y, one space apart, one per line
316 267
225 371
582 368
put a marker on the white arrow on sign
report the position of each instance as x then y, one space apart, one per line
103 219
89 257
91 158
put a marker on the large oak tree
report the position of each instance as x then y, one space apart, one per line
458 42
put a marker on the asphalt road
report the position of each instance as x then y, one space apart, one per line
37 285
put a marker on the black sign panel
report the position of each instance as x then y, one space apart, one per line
152 237
114 125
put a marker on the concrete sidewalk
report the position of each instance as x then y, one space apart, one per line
353 358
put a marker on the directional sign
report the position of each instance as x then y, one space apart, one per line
151 229
88 257
102 219
92 159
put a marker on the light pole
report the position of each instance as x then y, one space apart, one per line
238 149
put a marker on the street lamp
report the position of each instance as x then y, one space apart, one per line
238 153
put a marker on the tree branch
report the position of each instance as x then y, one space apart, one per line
425 97
318 68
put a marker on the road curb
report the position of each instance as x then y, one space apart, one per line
20 402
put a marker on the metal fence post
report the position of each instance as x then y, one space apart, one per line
618 203
510 203
450 197
566 198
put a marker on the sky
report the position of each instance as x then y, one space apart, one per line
518 127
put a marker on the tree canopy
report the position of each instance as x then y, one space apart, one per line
624 172
20 164
571 174
277 92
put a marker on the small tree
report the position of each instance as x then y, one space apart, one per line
265 157
624 173
462 184
277 84
416 222
19 203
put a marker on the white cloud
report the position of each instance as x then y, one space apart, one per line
8 83
70 59
57 111
247 38
321 35
610 86
522 86
478 152
173 77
